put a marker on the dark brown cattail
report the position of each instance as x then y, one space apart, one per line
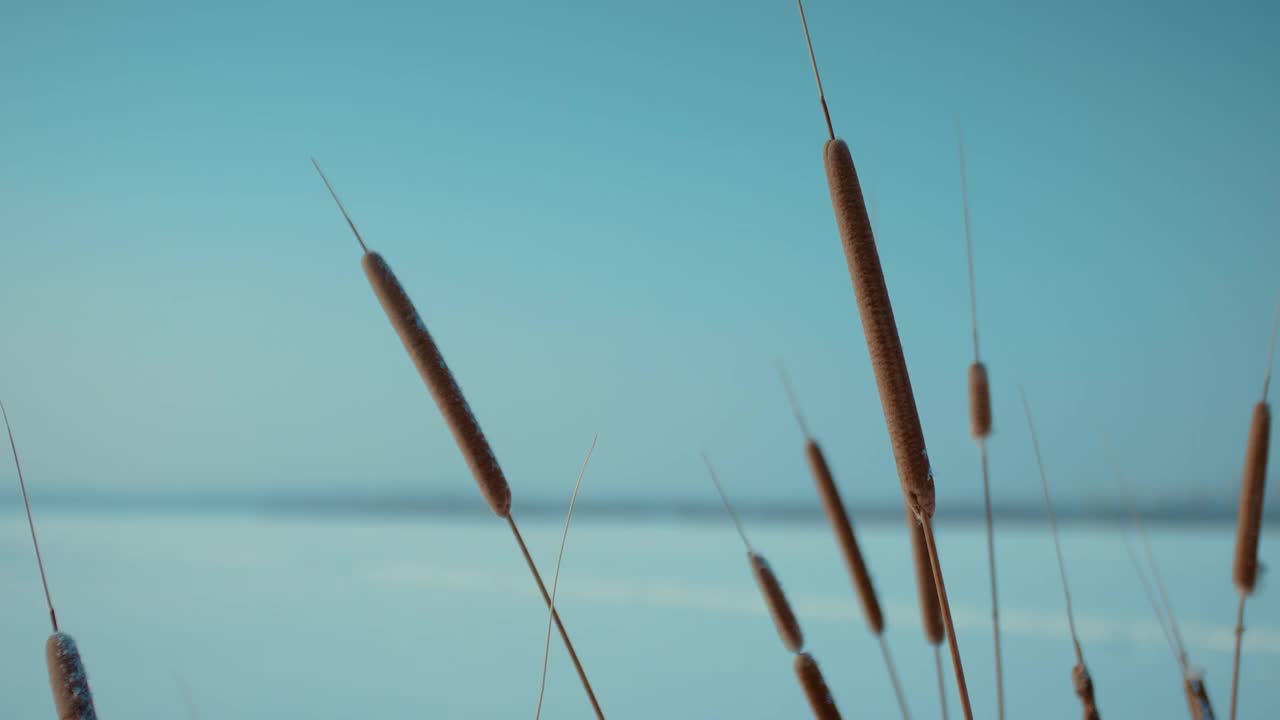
896 397
1198 699
1249 520
843 529
779 608
815 688
68 680
930 612
1084 690
979 401
448 396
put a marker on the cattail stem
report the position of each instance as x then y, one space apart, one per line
893 677
991 566
31 523
555 616
927 525
1235 661
942 682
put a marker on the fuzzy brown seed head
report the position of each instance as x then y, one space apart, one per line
1252 488
779 608
435 373
1084 690
930 611
838 517
68 680
979 401
815 688
881 331
1198 698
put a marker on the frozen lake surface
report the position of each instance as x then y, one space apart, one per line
328 617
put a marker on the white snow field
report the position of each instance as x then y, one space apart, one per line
269 617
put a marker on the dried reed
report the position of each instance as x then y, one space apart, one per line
980 429
1244 569
67 677
1080 673
1198 699
783 617
457 413
842 526
555 578
815 688
885 349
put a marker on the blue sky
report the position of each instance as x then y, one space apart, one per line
613 216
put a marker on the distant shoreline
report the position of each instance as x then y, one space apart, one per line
786 513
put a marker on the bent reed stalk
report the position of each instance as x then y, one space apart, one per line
453 406
885 349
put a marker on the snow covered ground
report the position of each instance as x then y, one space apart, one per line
348 617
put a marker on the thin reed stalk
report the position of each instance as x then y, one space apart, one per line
980 429
1080 678
457 414
897 400
1244 570
846 539
555 579
68 680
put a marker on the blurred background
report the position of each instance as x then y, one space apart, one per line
614 219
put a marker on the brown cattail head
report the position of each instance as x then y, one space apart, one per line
979 401
1198 698
930 611
1084 690
779 608
67 679
1249 520
881 331
448 396
843 529
815 688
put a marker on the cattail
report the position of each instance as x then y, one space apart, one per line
1244 570
1249 520
1198 699
1084 690
979 401
815 688
67 678
897 400
779 608
842 526
896 397
457 413
843 529
435 373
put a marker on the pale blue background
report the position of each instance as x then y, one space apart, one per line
613 217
